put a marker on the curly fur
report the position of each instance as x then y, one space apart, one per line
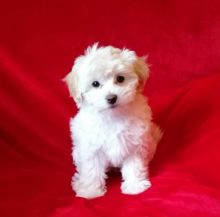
106 136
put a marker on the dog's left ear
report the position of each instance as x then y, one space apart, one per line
142 70
72 82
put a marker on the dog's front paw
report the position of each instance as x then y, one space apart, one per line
135 186
86 189
90 193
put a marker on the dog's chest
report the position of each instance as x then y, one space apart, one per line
112 137
118 138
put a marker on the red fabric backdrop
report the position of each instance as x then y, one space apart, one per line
38 42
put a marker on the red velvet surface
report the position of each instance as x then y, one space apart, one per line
38 42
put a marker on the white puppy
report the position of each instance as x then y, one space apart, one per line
113 127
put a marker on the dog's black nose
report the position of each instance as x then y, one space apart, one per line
111 98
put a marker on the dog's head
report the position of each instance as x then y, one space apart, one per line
106 77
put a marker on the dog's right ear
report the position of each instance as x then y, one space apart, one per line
72 82
141 68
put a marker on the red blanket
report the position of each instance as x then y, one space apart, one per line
38 42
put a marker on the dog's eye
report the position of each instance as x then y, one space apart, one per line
120 79
95 84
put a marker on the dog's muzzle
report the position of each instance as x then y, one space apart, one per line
111 99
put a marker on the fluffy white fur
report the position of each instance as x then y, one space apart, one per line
105 135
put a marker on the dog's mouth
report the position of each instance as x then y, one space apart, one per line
113 106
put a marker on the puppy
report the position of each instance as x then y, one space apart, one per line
113 127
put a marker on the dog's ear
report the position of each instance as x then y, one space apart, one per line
142 70
72 82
